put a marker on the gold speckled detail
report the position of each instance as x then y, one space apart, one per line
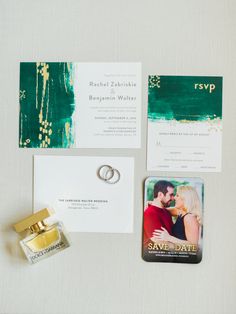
215 125
154 81
45 132
43 71
70 70
22 94
26 142
67 128
47 104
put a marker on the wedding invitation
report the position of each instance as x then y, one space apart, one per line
85 105
75 189
184 123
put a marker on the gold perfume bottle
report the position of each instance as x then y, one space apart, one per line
43 241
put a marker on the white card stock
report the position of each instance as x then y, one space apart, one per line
85 203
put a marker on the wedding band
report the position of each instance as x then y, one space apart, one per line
108 174
105 172
116 177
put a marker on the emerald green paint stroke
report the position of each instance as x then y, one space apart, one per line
47 103
178 98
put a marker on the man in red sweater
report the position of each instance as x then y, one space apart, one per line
156 215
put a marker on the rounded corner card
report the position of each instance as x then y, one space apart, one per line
173 220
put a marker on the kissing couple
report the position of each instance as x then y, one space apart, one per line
158 222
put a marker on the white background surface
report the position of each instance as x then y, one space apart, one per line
104 273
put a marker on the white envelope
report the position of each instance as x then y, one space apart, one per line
85 203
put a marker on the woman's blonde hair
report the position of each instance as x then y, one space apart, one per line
191 200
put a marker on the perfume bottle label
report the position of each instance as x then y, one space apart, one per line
49 251
45 244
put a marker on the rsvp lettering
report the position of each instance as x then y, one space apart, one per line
209 87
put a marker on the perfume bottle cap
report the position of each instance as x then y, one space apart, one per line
32 220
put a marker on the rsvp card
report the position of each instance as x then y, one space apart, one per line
184 123
80 198
85 105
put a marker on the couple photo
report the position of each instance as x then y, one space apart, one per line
173 212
